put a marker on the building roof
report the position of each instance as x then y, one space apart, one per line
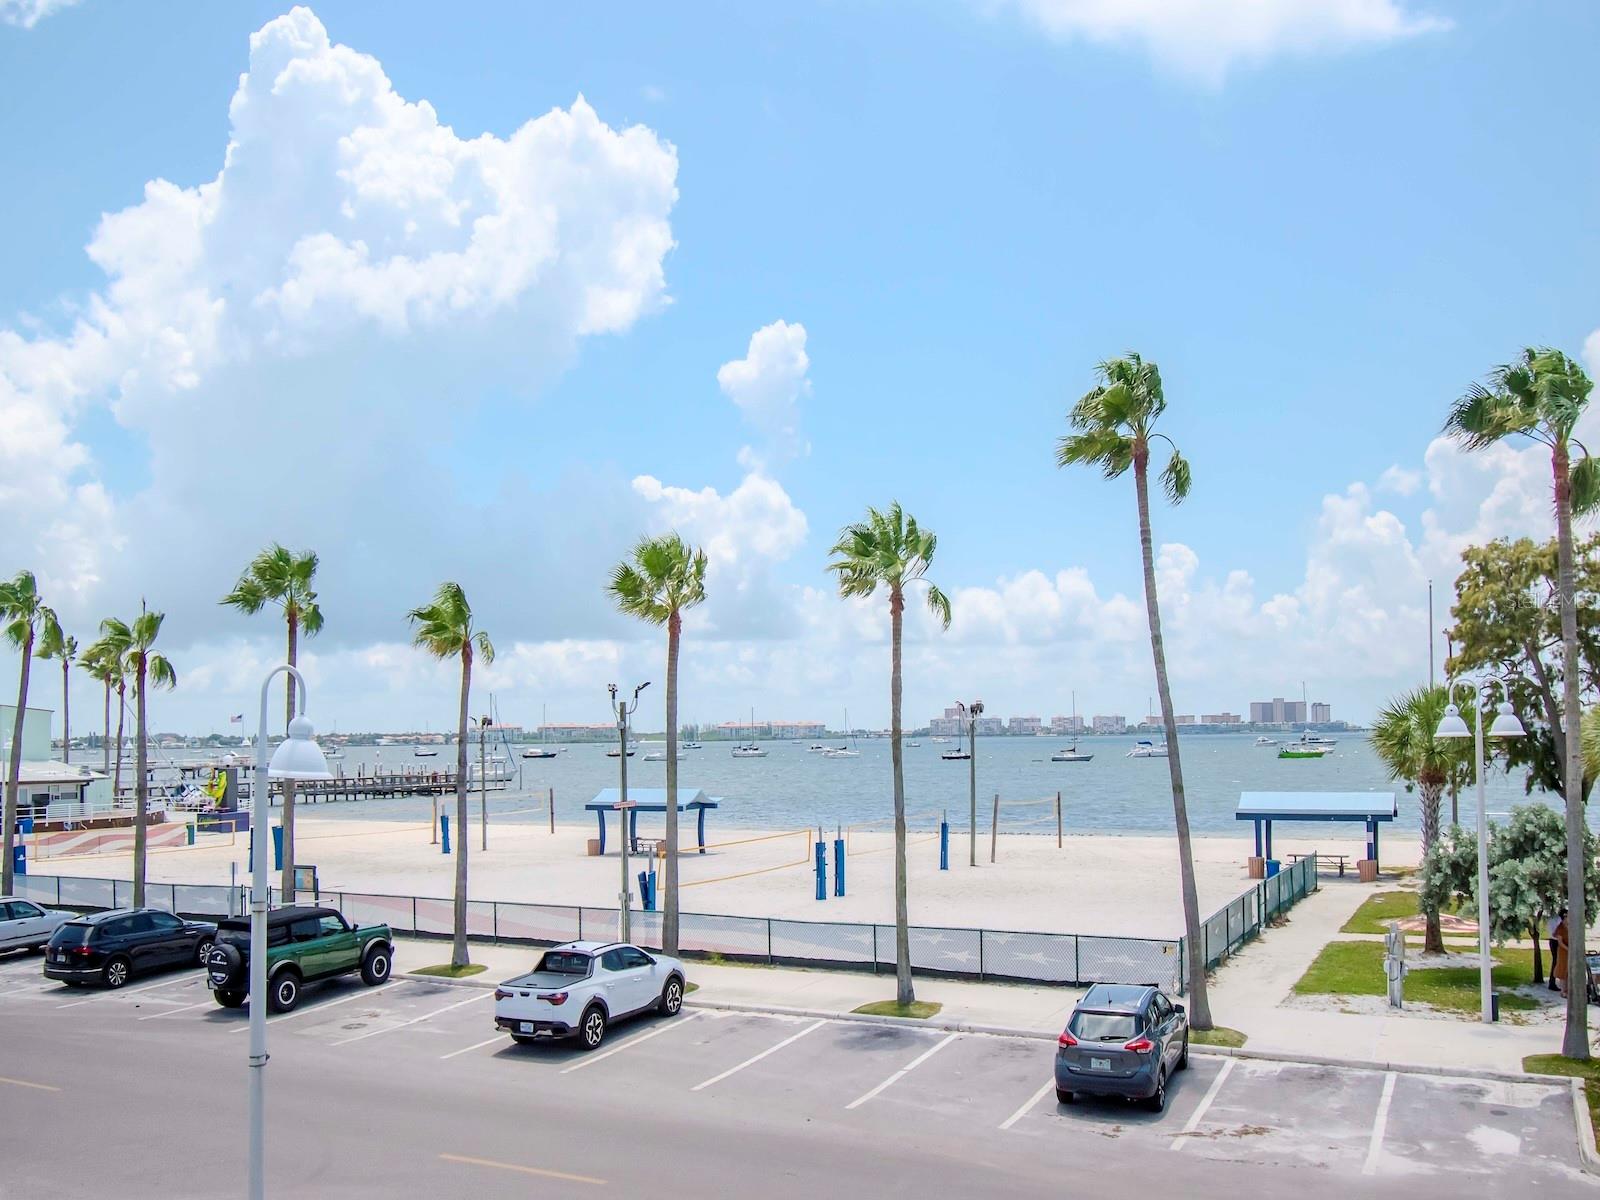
1318 806
50 771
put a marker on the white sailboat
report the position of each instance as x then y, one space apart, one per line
1148 749
1071 754
849 751
750 749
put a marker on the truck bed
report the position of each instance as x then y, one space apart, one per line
545 980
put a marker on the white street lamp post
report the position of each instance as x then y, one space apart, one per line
970 715
297 758
623 711
1505 725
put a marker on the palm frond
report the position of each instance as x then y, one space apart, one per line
159 672
1585 489
939 605
1175 478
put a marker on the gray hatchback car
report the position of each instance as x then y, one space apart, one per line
1123 1040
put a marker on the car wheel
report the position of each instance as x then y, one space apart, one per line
1063 1096
523 1039
1158 1101
229 999
593 1030
375 966
671 1001
284 992
202 952
116 972
1183 1056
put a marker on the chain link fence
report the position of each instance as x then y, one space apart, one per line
1029 957
1242 918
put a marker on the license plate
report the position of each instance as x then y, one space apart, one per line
527 1026
1099 1064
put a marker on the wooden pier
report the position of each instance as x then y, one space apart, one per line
380 786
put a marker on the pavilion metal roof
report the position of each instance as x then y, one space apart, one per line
1348 806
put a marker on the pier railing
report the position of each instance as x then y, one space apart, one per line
1015 955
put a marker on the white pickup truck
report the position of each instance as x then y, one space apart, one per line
579 988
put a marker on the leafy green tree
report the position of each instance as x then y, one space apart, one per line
664 577
1541 397
28 619
1403 738
444 629
64 648
287 581
1508 619
134 644
1113 429
1527 874
890 550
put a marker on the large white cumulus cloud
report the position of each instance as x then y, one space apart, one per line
278 336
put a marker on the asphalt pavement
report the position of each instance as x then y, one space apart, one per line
407 1090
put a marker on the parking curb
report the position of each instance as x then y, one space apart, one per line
471 981
1580 1114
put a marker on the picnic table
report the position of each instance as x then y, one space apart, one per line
1321 858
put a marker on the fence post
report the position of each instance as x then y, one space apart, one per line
769 941
1077 962
980 953
494 916
552 810
579 938
874 945
413 914
1058 820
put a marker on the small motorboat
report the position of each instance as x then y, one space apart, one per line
940 740
425 752
690 746
617 753
954 755
1071 754
749 750
913 744
656 756
840 752
816 748
1148 749
1266 741
538 752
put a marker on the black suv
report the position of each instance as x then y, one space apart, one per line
112 947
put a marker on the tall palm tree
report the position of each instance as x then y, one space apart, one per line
1113 428
102 665
890 550
62 646
287 580
28 619
135 645
1404 738
1541 396
444 629
665 577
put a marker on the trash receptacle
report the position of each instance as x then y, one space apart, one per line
1272 867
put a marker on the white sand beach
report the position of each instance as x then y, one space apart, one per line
1125 885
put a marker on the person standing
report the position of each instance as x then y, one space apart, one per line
1551 926
1559 966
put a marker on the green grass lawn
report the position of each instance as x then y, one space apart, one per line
1356 969
1379 908
449 972
921 1009
1220 1036
1588 1071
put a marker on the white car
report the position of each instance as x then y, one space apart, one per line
579 988
25 924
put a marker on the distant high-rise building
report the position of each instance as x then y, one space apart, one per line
948 725
1294 712
989 726
1072 724
1027 726
1222 718
1110 724
1183 719
1278 711
1321 712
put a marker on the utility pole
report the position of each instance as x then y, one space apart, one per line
1430 633
971 713
624 709
483 782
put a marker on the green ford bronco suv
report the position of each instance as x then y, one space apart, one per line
303 944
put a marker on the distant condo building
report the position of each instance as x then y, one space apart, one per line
1066 725
1279 711
1110 724
1027 726
1225 718
1321 714
989 726
577 733
771 729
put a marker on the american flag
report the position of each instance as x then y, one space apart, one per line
236 719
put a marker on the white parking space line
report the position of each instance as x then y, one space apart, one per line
1379 1121
186 1008
414 1020
750 1062
903 1071
499 1037
1028 1104
1198 1115
114 993
633 1041
309 1010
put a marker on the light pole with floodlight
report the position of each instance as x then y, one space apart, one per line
970 716
1505 725
624 709
298 757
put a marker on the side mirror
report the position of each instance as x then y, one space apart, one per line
1178 1008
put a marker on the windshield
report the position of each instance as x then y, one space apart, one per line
564 962
73 933
1103 1027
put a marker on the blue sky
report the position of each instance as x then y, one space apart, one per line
1322 230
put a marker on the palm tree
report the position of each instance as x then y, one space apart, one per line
135 646
665 577
444 630
1113 428
63 646
890 550
1541 396
27 620
1404 738
101 663
280 577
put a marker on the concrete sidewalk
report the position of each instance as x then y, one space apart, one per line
1252 992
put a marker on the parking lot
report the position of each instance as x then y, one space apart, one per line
712 1086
